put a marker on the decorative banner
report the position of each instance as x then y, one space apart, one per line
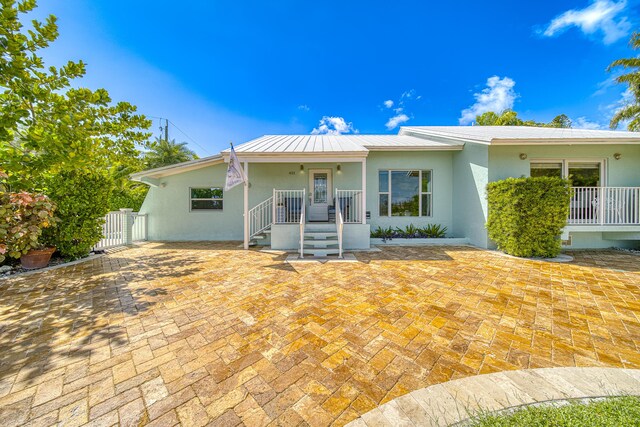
235 173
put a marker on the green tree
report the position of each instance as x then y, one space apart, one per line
510 118
630 112
46 125
164 153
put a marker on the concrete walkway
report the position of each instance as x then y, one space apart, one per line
456 401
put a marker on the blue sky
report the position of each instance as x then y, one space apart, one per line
234 70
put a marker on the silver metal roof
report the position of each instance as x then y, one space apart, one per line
515 134
339 144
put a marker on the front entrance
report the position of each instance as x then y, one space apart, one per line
320 190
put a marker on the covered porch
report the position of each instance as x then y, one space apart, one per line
315 206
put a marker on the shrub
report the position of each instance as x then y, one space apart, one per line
23 216
83 201
430 231
526 215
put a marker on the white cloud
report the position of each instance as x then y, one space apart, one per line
583 123
397 120
333 126
303 107
601 15
497 96
388 103
408 94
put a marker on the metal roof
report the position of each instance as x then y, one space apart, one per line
522 134
338 144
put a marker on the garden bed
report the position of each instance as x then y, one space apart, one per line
55 262
451 241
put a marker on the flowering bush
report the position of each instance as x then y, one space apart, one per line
22 217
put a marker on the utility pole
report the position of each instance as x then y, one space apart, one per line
166 129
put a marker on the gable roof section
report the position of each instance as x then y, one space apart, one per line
522 135
177 168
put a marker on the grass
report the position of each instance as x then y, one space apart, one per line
609 412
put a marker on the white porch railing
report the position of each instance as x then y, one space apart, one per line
288 206
350 204
122 228
339 223
261 217
302 221
605 206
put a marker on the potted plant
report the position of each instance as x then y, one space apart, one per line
23 216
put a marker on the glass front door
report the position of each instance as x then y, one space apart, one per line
321 194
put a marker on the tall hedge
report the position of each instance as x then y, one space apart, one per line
527 215
83 201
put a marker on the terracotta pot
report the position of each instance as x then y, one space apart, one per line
36 258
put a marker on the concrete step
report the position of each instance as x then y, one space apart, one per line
320 242
321 252
320 228
320 235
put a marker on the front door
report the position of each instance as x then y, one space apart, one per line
321 194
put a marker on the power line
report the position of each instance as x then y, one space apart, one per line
180 130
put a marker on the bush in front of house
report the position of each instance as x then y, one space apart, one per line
430 231
82 201
23 217
527 215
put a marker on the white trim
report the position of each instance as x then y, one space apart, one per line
246 206
363 194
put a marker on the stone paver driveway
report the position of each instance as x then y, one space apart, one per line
195 333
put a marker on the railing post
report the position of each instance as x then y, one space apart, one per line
602 204
127 226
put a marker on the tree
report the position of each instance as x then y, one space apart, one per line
164 153
46 125
630 112
66 141
510 118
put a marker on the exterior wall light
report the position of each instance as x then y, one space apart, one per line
523 156
339 168
301 168
617 156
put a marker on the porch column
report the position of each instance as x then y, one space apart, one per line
246 206
364 190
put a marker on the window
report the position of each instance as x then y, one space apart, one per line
206 199
546 169
405 193
579 173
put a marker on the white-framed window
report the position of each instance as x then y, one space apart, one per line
205 199
405 193
580 172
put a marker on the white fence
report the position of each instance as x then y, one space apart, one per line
122 228
605 206
350 204
287 206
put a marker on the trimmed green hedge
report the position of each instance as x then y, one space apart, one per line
527 215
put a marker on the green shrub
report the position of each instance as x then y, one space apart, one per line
434 231
431 231
128 196
83 201
526 215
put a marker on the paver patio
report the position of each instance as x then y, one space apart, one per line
195 333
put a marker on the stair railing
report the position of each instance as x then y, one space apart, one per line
260 217
339 223
302 221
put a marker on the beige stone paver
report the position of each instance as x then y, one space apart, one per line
193 332
455 402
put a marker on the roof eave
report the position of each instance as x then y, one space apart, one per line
177 168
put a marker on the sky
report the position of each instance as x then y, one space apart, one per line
230 71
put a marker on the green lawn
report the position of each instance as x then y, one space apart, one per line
613 412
